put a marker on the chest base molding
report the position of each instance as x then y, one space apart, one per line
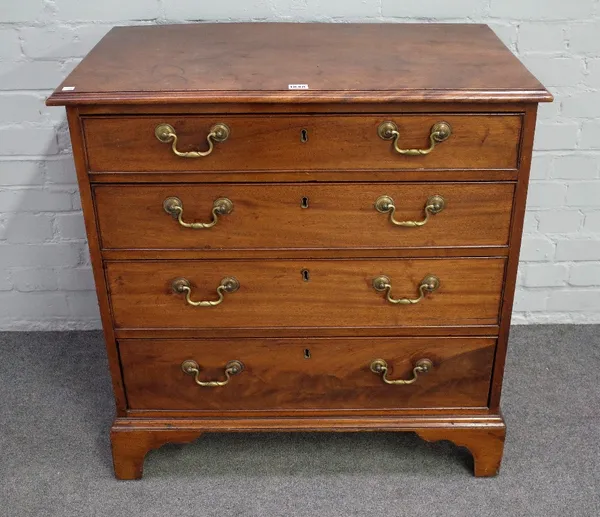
133 438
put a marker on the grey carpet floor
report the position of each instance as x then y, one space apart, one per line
56 409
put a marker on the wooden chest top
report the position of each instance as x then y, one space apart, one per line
264 62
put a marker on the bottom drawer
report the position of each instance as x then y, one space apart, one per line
272 374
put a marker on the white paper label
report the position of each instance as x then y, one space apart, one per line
68 88
297 86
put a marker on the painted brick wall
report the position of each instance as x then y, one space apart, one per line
45 278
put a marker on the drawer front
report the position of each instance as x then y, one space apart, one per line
297 142
305 293
307 373
325 216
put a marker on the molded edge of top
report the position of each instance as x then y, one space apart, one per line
61 98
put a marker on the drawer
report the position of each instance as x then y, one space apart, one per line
304 293
325 216
297 142
307 373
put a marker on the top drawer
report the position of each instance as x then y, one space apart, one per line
302 142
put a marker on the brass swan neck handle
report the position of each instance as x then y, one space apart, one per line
429 284
165 133
439 133
183 286
174 207
380 367
433 205
191 367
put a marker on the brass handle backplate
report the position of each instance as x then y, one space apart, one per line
174 207
429 284
165 133
433 205
191 367
380 367
440 132
182 285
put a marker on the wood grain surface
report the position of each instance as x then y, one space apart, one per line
256 62
482 435
274 293
336 374
273 142
337 216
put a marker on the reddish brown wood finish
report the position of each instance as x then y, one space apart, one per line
128 144
339 62
513 260
306 374
307 176
274 294
130 446
296 217
326 331
302 108
485 444
483 436
93 236
286 253
359 75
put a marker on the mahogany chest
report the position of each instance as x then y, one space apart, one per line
303 227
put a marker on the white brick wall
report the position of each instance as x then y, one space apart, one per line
45 276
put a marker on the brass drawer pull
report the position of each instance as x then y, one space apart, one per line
433 205
429 284
440 132
182 285
191 367
174 207
166 133
380 367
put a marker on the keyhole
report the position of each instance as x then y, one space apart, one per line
304 202
306 353
305 275
304 136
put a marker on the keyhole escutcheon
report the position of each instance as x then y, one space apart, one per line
305 275
303 136
304 202
306 353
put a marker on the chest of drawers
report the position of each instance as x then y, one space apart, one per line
303 227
